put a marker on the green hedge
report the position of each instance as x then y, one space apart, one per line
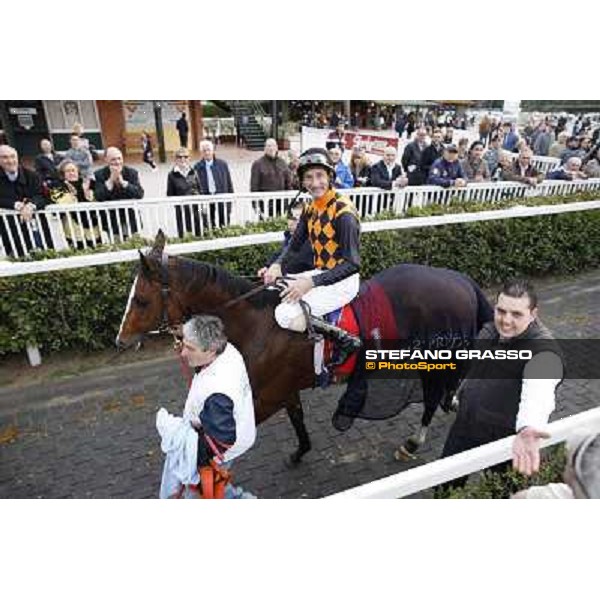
82 308
502 485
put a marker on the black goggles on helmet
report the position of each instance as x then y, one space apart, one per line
314 160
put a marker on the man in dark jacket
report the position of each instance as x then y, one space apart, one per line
115 181
214 178
522 170
432 152
269 174
46 163
447 171
500 398
21 190
183 129
387 173
412 158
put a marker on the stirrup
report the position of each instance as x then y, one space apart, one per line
345 340
312 334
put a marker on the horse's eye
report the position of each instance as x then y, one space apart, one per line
139 302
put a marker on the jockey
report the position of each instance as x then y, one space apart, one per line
331 223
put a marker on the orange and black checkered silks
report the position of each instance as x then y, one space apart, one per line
321 215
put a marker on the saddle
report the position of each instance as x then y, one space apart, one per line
338 361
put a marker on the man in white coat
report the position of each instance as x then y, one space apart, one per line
218 419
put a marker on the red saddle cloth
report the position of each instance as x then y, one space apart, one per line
370 315
345 319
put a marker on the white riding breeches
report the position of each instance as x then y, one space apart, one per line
322 300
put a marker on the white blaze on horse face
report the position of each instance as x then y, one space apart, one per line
128 307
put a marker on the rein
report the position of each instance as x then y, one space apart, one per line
278 282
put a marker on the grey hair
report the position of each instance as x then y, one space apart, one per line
207 332
584 456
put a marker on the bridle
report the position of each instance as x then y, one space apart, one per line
165 326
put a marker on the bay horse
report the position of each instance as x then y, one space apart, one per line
167 290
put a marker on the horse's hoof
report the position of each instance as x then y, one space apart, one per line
293 460
402 454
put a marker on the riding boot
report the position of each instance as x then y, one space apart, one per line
353 399
348 343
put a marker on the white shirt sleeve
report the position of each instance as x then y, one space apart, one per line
538 395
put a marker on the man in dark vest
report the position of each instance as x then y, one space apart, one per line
499 398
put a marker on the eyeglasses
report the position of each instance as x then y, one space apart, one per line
182 156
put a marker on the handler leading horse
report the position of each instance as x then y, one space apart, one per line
168 289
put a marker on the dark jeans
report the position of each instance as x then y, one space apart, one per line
463 437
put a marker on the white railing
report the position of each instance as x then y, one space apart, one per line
446 469
72 225
10 269
544 164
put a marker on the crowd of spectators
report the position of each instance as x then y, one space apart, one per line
503 152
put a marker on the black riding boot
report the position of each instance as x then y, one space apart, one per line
347 343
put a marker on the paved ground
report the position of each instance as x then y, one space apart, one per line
94 436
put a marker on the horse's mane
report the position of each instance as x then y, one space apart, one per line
194 270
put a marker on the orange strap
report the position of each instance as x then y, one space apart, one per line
213 480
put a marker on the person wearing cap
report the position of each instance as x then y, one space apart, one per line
331 223
447 171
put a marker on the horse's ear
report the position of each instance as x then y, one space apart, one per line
146 267
159 243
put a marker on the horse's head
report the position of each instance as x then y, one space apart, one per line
152 305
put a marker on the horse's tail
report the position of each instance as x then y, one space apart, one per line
485 311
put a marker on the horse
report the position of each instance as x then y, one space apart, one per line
167 290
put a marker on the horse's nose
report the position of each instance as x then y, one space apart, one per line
120 344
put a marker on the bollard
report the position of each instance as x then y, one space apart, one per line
34 356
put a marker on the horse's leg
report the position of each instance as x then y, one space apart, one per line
296 415
433 392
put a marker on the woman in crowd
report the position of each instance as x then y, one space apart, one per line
80 228
147 150
474 166
183 181
360 166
